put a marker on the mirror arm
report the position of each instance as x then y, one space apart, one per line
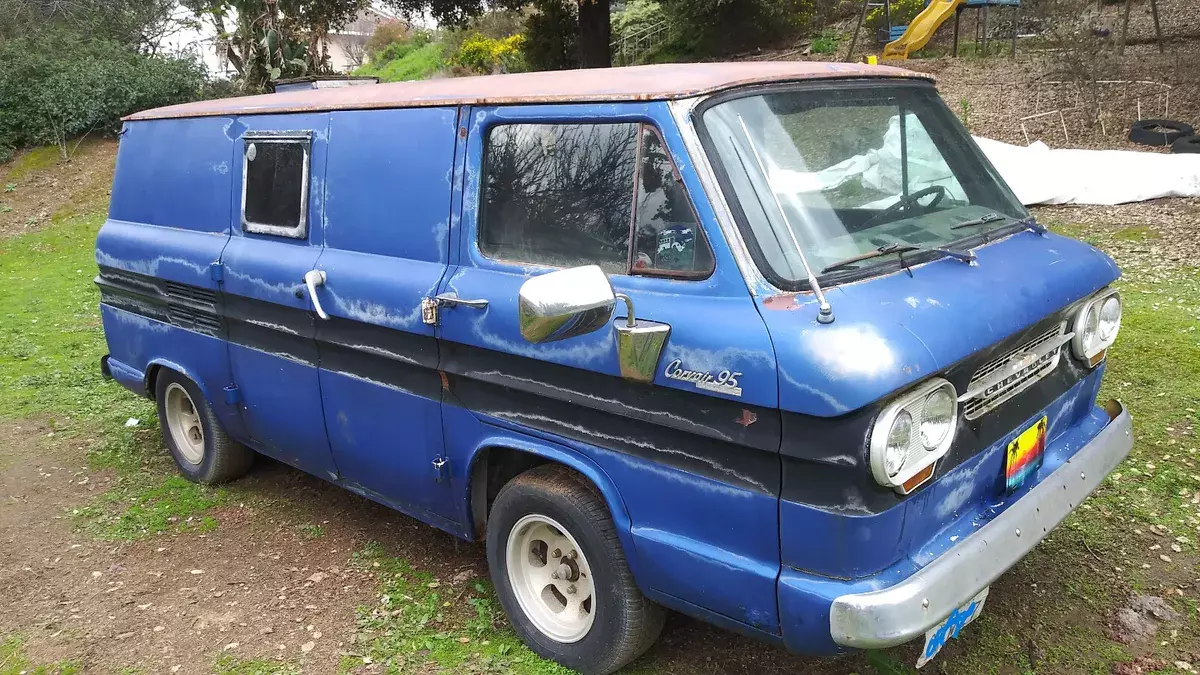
630 319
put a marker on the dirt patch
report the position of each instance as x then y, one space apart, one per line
37 186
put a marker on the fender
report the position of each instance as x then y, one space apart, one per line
182 370
498 437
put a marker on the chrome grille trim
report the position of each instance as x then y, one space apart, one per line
990 386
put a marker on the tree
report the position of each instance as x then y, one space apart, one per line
591 27
267 40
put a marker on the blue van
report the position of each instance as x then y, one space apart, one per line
768 344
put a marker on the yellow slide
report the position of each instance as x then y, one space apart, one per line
921 29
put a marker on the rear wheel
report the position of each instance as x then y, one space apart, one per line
561 575
202 450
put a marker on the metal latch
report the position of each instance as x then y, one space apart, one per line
429 311
429 306
441 469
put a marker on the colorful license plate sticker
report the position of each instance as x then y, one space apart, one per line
1024 455
939 635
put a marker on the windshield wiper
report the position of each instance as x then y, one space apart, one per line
900 249
982 220
1029 222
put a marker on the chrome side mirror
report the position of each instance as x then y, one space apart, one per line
565 303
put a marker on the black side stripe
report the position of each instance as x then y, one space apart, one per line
724 440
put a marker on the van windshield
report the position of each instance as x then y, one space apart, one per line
846 170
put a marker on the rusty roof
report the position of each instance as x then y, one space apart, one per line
635 83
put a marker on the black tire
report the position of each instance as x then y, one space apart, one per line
1186 145
626 623
1158 132
224 459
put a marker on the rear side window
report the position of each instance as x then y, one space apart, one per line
275 184
564 195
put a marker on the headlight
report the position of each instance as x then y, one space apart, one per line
1096 325
898 440
912 433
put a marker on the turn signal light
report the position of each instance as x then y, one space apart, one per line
918 479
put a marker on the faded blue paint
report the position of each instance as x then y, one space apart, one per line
929 524
896 330
393 205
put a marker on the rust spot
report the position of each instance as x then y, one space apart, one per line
462 132
445 380
747 418
785 301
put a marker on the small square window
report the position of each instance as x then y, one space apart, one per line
275 184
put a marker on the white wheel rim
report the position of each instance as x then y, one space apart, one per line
555 592
183 423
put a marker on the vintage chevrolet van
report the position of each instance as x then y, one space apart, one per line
769 344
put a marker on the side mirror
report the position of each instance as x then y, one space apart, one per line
565 303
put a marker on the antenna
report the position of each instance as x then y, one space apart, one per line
825 312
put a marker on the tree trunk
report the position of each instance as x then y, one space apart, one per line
595 33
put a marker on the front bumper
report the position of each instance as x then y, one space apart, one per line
899 613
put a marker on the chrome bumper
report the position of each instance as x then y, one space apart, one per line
899 613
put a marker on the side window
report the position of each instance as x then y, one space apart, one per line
565 195
559 194
669 239
275 184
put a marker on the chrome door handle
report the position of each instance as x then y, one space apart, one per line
451 300
312 279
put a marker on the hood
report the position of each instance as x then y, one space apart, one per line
895 330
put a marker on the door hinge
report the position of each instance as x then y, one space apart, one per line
233 395
216 271
429 311
441 469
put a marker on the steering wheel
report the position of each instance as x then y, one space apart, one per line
906 203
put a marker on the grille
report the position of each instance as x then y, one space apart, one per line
201 296
1000 386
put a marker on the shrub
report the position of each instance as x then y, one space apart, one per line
826 42
481 54
56 86
903 12
705 28
384 35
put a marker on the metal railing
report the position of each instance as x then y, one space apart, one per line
630 48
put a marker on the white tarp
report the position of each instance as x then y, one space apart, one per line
1037 173
1041 175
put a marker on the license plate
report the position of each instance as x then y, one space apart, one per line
1025 454
939 635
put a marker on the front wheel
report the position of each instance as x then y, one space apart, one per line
561 575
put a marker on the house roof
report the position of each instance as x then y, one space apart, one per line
635 83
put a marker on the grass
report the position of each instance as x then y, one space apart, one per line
14 662
419 64
417 623
51 342
36 159
311 531
228 665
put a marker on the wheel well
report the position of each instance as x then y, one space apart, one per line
152 380
492 470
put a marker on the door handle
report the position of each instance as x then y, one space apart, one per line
451 299
312 279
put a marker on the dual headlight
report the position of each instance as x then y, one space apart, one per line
1096 326
912 433
916 429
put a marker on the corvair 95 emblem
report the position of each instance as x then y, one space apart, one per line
724 382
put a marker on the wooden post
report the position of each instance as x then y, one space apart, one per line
1016 20
985 30
1157 27
1124 28
854 39
957 15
